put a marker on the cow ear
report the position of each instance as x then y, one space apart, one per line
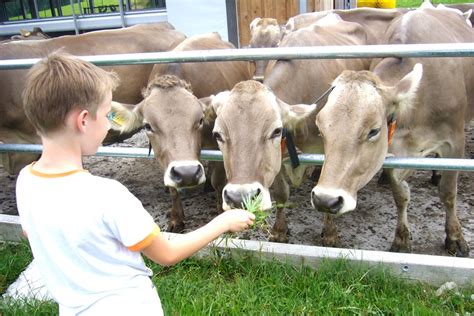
254 23
290 26
293 115
125 117
467 16
404 92
209 114
213 104
426 5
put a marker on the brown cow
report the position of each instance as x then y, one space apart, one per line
14 126
266 32
173 116
36 34
430 108
244 138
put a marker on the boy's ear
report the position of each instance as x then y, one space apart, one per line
81 120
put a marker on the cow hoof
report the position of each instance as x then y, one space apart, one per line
279 237
401 245
330 241
174 227
458 248
402 241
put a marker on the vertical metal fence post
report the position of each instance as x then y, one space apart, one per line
76 29
122 14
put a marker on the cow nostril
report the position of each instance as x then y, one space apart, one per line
199 172
257 193
336 203
175 175
233 198
325 203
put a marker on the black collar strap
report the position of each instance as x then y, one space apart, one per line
290 145
392 117
149 148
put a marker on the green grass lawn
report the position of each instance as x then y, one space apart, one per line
220 285
417 3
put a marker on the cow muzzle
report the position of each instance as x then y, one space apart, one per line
233 195
332 201
181 174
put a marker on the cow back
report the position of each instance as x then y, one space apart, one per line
210 77
446 92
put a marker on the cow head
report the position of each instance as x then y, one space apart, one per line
248 130
173 119
264 32
354 126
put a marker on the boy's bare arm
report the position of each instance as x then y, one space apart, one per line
168 252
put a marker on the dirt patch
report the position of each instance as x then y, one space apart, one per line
371 226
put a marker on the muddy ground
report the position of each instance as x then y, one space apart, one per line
371 226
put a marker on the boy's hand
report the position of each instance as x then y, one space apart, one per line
236 220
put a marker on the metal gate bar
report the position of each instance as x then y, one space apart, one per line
307 159
316 52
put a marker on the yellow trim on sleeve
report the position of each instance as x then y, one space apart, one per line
146 241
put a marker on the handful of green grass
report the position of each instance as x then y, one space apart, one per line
254 205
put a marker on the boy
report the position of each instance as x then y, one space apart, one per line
86 232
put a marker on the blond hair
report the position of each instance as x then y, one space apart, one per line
60 83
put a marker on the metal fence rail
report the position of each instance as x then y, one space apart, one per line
307 159
316 52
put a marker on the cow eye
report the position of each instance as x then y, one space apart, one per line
201 122
276 133
148 127
373 132
217 137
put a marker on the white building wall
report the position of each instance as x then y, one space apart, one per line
198 17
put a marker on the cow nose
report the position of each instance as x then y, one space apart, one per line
185 176
235 198
326 203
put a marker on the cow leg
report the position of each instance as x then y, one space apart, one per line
218 181
329 234
281 192
14 162
384 178
454 243
435 176
401 195
176 223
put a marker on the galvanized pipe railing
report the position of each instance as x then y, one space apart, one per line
315 52
307 159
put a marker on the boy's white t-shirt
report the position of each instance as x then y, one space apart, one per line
86 233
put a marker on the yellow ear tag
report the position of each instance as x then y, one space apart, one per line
116 118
